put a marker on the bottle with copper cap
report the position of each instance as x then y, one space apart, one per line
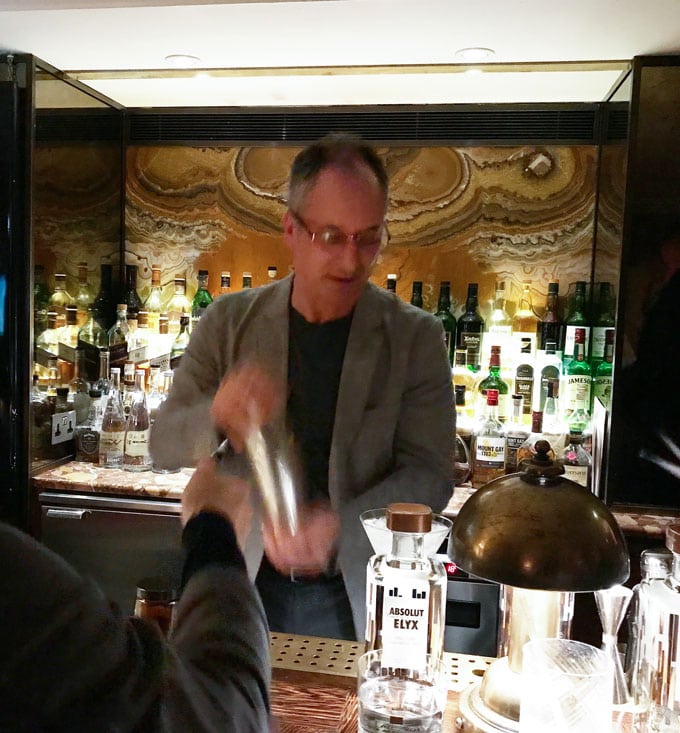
656 688
406 588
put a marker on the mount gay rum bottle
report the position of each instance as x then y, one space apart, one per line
406 592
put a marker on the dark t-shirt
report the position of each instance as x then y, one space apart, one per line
315 355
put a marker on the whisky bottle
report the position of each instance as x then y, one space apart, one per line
48 340
202 298
118 335
178 305
577 374
577 317
80 388
131 297
463 419
91 333
515 432
524 378
466 378
498 329
605 320
60 298
153 304
447 318
550 370
246 281
104 302
494 381
406 592
225 282
84 295
87 433
550 326
470 329
103 383
112 436
417 294
603 380
138 427
488 444
391 284
525 324
68 334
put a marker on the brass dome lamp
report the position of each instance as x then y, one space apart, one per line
543 538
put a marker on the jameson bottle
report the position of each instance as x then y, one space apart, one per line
406 592
493 380
202 298
578 373
602 382
447 318
604 321
104 302
417 294
470 329
489 444
577 317
550 326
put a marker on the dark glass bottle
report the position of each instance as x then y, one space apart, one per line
602 379
577 317
391 284
131 297
604 320
447 318
470 329
105 302
493 381
550 326
417 294
202 298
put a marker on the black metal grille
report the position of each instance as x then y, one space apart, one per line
458 124
86 125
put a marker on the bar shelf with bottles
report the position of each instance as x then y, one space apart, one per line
82 341
546 368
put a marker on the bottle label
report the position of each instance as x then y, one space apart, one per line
111 444
578 474
602 389
87 442
575 383
524 385
490 451
405 618
569 340
137 442
471 342
598 342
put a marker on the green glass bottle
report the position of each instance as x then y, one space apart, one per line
179 345
470 329
602 381
605 319
578 374
447 318
577 317
417 294
493 381
202 298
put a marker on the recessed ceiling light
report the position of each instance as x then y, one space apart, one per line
182 60
475 54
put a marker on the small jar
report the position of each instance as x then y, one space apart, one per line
156 600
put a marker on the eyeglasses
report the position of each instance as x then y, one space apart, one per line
334 238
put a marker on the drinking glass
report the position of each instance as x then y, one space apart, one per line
401 700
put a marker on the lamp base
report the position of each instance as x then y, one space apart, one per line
477 717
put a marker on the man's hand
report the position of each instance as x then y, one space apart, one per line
310 550
212 491
247 398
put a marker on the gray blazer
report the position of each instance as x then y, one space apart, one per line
394 422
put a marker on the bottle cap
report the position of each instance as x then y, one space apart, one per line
203 273
407 517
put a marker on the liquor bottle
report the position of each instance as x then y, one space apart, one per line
53 378
464 421
246 281
515 433
68 334
91 333
127 385
155 396
112 435
80 388
447 318
48 340
550 370
417 293
406 584
178 305
550 326
65 433
470 329
103 383
488 444
604 320
498 328
494 381
525 325
138 427
577 461
527 450
525 377
84 295
130 295
41 299
578 373
579 418
272 273
552 421
202 298
391 283
603 380
60 298
577 317
87 433
463 376
142 335
225 282
104 302
179 345
119 332
153 304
